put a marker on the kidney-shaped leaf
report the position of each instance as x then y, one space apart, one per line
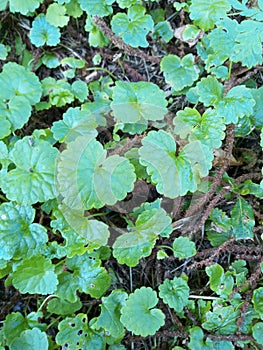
35 166
88 179
175 293
30 339
139 315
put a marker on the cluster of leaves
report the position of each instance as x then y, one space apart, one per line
68 173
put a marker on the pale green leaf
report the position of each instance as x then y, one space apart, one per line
17 111
207 128
3 52
73 9
222 320
80 90
25 6
42 32
30 339
75 333
206 13
138 242
242 219
85 159
220 282
63 307
91 278
75 123
179 72
5 126
197 340
15 80
258 332
236 104
175 293
35 171
139 315
183 248
138 102
134 26
210 91
18 236
56 15
96 37
35 276
97 7
109 318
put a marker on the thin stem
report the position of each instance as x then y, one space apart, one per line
104 70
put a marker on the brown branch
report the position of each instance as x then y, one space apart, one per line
102 25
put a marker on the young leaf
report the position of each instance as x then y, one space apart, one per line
85 159
30 339
3 52
35 171
35 276
175 293
55 15
138 314
134 26
96 37
242 219
220 282
208 128
222 320
206 13
130 247
42 32
183 248
15 113
75 123
138 102
18 236
75 333
97 7
179 72
163 30
63 307
109 318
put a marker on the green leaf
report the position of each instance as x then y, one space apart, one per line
179 72
221 229
25 6
75 333
183 248
163 30
50 60
210 91
59 92
42 32
130 247
222 320
175 293
16 81
20 238
139 315
109 318
17 112
96 37
257 300
258 107
126 3
80 90
206 13
85 159
197 341
242 219
89 276
14 325
73 9
5 126
207 128
75 123
35 276
174 175
237 103
63 307
134 26
30 339
138 102
3 52
55 15
35 171
97 7
220 282
248 44
258 332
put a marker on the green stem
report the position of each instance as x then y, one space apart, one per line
166 247
230 69
104 70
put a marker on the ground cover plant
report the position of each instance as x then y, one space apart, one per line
131 174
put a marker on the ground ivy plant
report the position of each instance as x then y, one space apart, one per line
131 136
